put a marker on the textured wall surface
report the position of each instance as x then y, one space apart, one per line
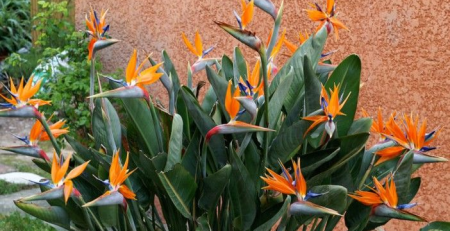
403 46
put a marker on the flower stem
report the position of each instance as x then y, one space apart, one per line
262 53
86 212
92 84
44 123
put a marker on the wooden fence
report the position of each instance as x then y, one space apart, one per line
35 10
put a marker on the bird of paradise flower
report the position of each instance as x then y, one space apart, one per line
326 18
331 106
38 134
384 201
61 183
117 192
135 81
285 184
412 138
197 50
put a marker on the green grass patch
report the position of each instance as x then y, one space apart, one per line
16 222
8 188
22 165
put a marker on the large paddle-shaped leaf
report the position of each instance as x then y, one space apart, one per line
143 120
175 142
204 124
213 187
52 214
106 126
181 187
348 76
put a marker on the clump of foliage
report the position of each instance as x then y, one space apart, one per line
60 59
278 146
15 25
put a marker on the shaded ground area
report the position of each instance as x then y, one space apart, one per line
13 167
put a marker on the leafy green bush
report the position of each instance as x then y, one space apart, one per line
15 25
58 42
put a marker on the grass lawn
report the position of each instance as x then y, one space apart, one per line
8 188
22 165
17 222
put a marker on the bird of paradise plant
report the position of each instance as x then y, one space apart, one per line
21 104
97 29
247 14
285 184
38 134
331 107
22 95
378 126
61 183
117 192
232 106
326 18
135 81
384 201
197 50
413 138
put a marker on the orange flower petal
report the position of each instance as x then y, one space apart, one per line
247 15
127 193
189 45
131 68
68 187
316 15
198 44
77 171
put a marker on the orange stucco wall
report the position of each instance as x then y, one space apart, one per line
403 46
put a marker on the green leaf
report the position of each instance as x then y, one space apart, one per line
312 161
276 102
191 156
106 126
357 216
219 84
209 100
350 147
413 188
227 67
52 214
360 126
242 193
312 48
204 124
334 197
203 224
143 120
312 88
436 226
271 222
181 187
287 143
348 76
402 177
213 187
109 215
239 65
175 143
170 70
